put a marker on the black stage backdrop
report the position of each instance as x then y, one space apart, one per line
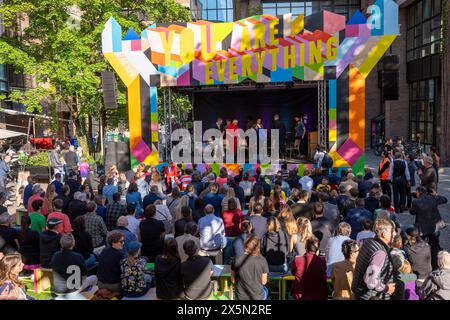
257 103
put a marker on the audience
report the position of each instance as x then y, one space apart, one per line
168 280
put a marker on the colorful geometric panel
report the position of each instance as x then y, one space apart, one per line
350 151
141 151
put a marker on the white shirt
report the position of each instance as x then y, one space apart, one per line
307 183
318 157
365 234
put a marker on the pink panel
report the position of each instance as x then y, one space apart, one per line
136 45
352 30
184 79
350 152
141 151
333 22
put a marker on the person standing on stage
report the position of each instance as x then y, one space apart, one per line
232 132
170 173
300 131
220 125
279 125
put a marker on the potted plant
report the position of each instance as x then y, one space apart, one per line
38 165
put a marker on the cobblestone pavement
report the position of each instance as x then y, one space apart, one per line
444 190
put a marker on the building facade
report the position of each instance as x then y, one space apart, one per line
422 109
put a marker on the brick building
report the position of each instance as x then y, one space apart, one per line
423 105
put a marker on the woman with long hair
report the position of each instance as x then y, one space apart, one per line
268 208
418 253
123 183
230 195
50 195
298 240
275 246
223 177
287 221
258 196
11 288
29 244
168 272
278 197
157 181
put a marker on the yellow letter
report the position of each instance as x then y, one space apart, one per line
233 75
167 45
298 24
259 33
273 31
301 55
246 65
274 53
208 54
187 50
245 40
260 60
332 52
315 52
208 73
289 56
220 65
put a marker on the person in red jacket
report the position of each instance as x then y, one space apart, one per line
171 174
310 272
232 219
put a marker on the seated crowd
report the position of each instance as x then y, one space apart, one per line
336 234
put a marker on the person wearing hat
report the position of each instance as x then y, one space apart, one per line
50 242
133 278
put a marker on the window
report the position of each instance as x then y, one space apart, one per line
212 10
3 79
279 7
422 110
424 29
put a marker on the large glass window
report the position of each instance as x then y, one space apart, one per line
279 7
212 10
3 78
422 100
424 29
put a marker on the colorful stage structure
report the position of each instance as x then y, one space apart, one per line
264 48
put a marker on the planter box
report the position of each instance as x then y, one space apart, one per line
41 173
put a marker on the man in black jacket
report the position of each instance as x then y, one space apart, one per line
279 125
50 242
428 218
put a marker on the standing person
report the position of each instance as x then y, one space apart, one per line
298 241
373 275
279 125
84 168
4 170
259 223
38 195
275 246
383 174
171 174
71 160
300 132
114 210
57 184
232 132
436 161
428 219
151 234
56 161
37 219
168 281
73 183
196 273
249 271
306 181
437 284
238 242
232 219
28 190
399 176
356 216
322 227
319 155
219 125
427 174
412 173
342 272
109 190
310 274
142 185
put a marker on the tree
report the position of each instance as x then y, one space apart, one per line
63 51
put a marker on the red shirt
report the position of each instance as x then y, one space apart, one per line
310 273
232 220
44 209
170 172
65 226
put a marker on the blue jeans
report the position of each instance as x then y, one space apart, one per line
228 251
282 268
91 260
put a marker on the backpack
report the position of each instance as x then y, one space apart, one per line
327 161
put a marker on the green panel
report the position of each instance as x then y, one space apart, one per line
133 161
301 169
317 67
358 167
299 72
215 168
332 114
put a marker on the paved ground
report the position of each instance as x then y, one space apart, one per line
444 189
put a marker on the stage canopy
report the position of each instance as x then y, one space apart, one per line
323 46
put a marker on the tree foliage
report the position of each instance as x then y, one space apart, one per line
67 61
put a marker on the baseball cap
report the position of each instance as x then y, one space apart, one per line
133 246
53 222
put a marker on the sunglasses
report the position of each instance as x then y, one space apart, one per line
122 241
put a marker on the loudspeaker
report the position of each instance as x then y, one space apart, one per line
390 81
109 86
117 153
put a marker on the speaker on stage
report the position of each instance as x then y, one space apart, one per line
109 87
117 153
389 77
